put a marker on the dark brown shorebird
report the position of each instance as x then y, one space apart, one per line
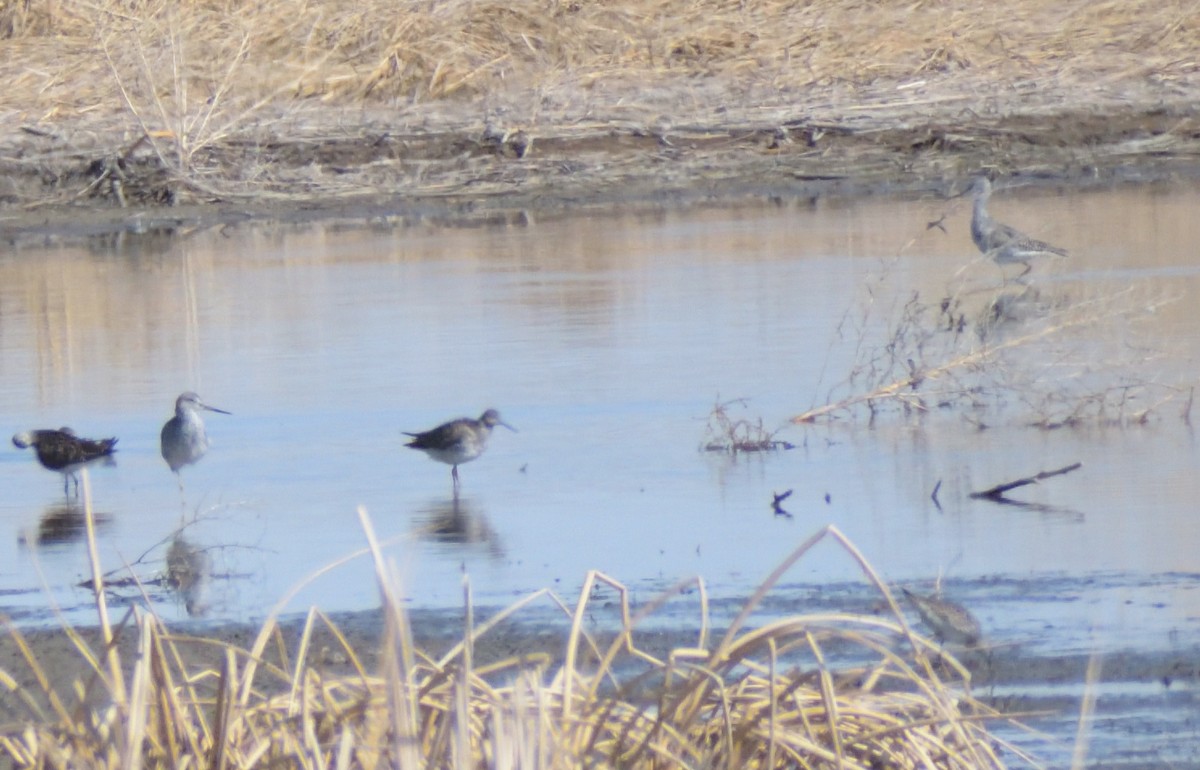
951 622
62 451
184 440
1006 245
458 441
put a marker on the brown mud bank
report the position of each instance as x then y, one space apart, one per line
476 173
163 118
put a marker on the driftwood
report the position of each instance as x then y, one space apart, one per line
997 492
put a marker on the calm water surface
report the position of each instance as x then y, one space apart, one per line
605 340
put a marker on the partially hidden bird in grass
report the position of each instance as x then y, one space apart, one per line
62 451
1002 243
950 622
458 441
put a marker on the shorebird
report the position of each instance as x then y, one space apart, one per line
61 450
1006 245
950 621
458 441
183 438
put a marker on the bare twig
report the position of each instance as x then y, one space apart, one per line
997 492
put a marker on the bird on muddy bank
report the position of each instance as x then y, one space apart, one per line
1003 244
184 440
458 441
62 451
950 622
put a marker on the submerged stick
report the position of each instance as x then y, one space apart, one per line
997 492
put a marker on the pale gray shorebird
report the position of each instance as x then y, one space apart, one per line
183 438
1006 245
458 441
951 622
61 450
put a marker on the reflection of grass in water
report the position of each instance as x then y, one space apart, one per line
822 690
1016 353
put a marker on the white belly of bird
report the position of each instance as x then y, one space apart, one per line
458 454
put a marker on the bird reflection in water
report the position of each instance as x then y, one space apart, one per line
457 522
189 572
62 524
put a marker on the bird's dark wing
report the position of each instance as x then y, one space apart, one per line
438 438
59 449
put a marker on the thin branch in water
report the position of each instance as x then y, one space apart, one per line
997 492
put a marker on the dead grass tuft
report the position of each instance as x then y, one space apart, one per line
827 690
726 432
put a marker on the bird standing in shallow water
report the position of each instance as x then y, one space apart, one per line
61 450
458 441
183 438
950 621
1006 245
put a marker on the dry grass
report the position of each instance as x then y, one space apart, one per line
183 79
829 690
72 53
728 431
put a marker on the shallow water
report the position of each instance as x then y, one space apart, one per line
606 339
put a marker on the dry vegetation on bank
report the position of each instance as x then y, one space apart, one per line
70 59
207 92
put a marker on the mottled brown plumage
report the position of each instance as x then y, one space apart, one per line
1004 244
62 451
950 621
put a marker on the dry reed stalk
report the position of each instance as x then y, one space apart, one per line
1087 712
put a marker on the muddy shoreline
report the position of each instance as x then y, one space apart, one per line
56 191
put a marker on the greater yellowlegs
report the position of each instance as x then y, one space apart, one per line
61 450
183 438
950 621
458 441
1006 245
